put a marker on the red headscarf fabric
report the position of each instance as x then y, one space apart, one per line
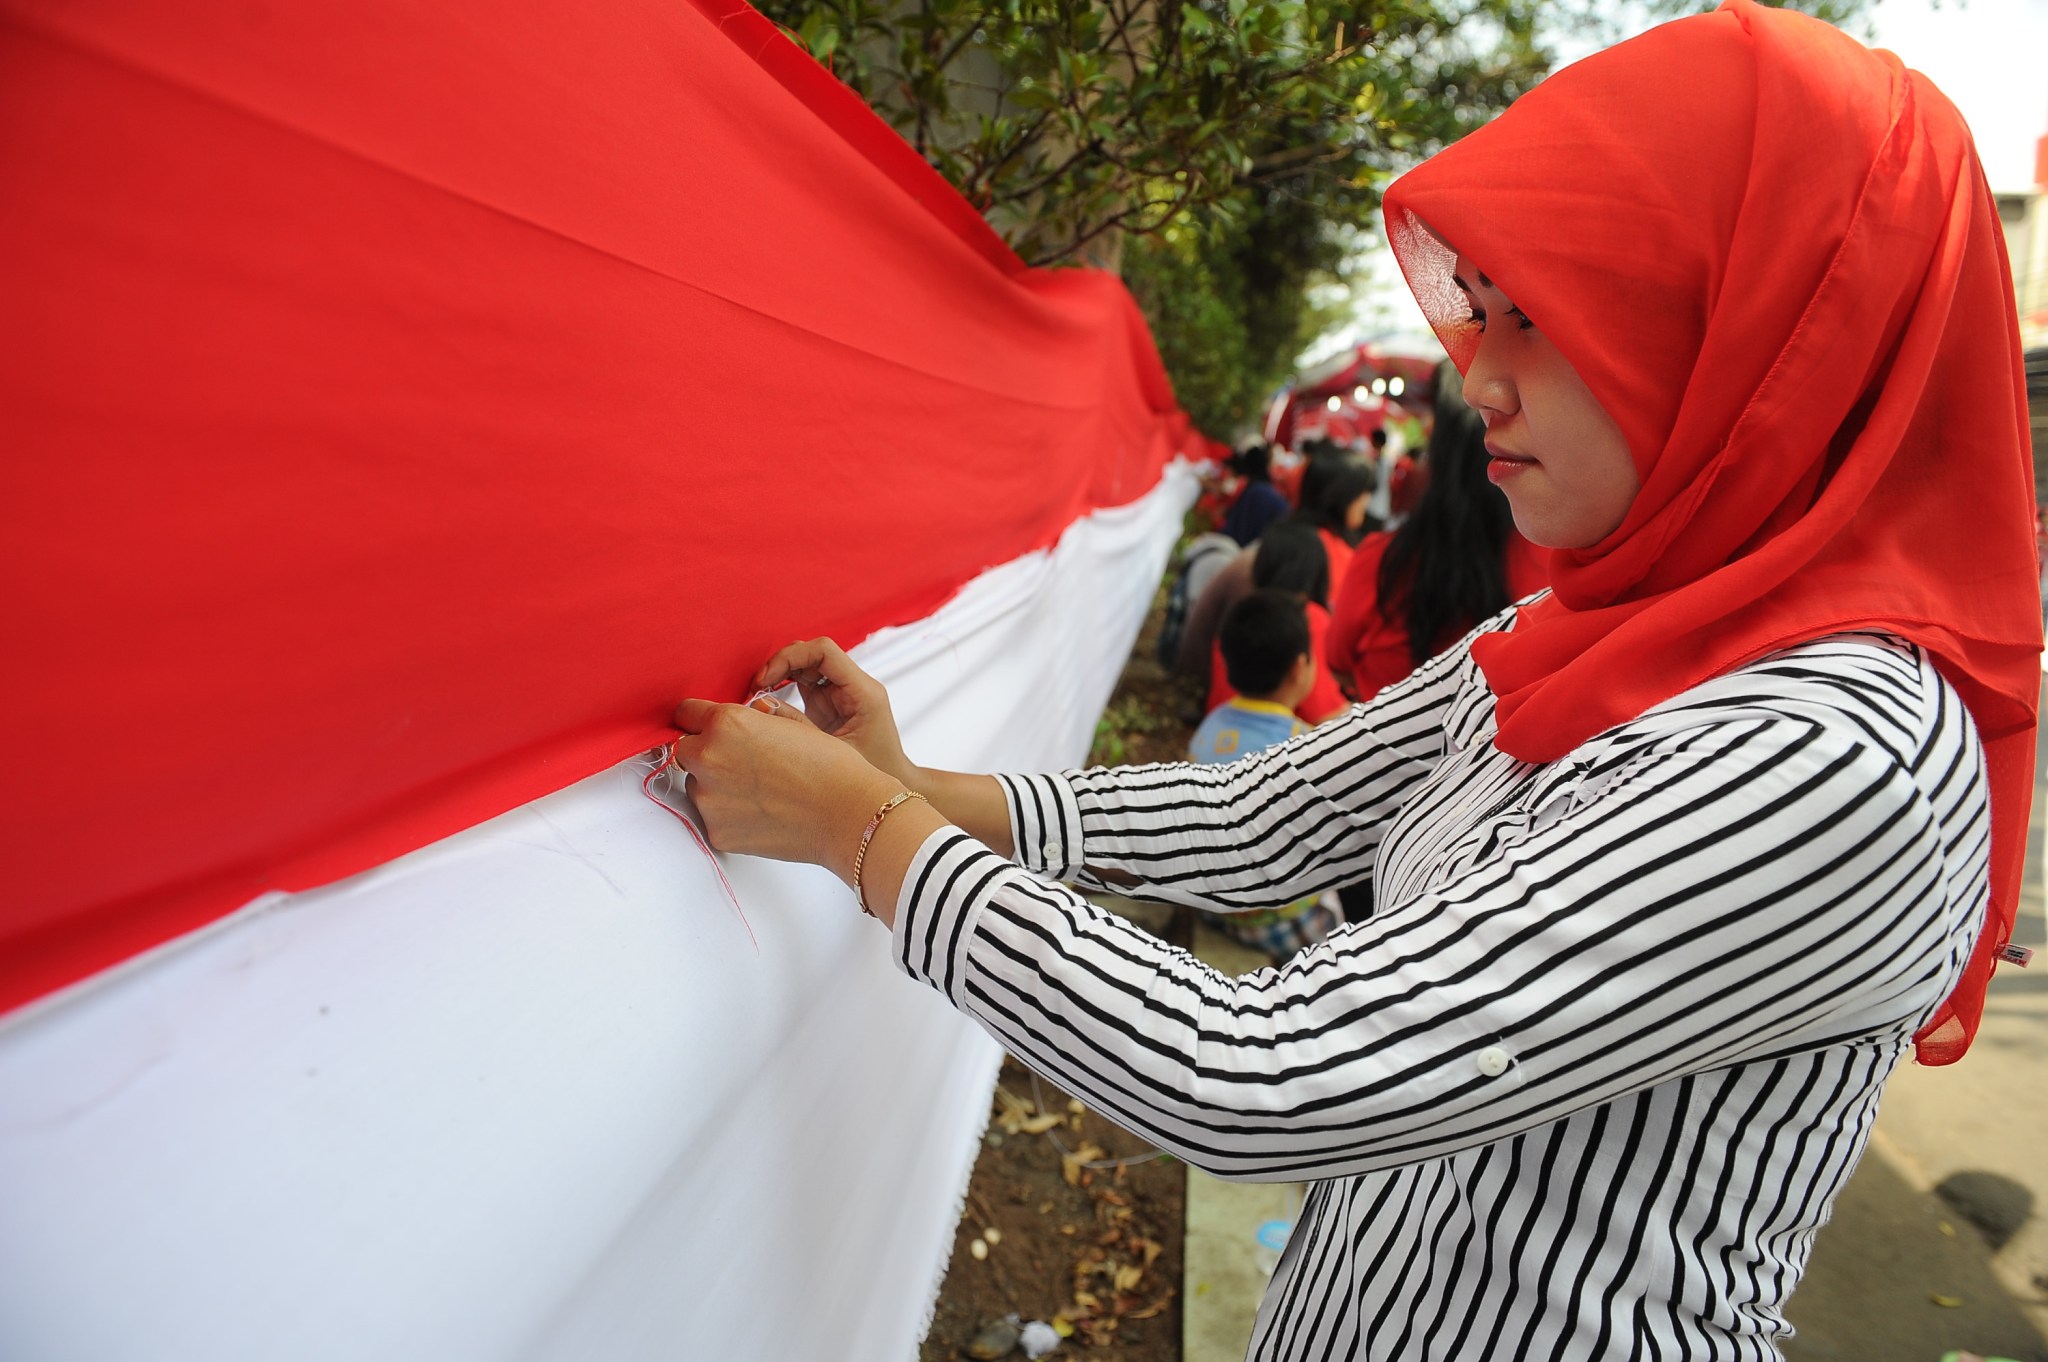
1771 254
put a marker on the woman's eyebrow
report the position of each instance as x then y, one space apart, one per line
1459 280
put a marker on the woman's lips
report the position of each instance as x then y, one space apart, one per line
1503 464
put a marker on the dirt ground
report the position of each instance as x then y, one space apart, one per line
1092 1250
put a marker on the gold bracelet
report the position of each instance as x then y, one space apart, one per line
874 825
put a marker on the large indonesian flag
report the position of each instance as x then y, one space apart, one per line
402 405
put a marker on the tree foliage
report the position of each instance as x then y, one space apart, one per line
1072 122
1226 154
1232 307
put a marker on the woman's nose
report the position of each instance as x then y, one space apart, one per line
1489 390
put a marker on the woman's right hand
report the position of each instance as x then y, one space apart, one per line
842 700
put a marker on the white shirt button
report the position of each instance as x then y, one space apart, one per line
1053 852
1494 1061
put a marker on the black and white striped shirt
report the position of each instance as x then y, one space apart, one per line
1587 1083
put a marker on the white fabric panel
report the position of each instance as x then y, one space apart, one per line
529 1092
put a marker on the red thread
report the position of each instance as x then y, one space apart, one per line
668 763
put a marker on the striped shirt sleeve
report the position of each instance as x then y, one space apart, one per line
1287 822
1743 887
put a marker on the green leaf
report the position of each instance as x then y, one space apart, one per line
1033 97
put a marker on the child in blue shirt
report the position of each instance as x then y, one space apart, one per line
1271 665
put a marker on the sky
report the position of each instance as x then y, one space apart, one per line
1990 57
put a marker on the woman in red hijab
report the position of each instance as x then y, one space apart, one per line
1672 866
1807 338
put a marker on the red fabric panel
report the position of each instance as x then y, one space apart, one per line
404 408
753 32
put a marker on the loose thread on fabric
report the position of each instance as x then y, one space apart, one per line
668 766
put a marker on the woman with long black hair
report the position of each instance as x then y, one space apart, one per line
1410 593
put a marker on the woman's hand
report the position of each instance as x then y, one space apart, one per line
842 700
767 783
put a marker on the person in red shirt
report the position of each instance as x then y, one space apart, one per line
1291 558
1410 593
1335 489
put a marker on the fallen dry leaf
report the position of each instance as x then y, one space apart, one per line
1097 1331
1017 1116
1157 1306
1071 1162
1128 1276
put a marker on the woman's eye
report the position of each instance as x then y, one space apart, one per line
1477 321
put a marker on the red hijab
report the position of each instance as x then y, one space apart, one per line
1771 254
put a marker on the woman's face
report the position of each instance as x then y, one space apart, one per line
1553 448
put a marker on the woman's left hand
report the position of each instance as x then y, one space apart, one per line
768 783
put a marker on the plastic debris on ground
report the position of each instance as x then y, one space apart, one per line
1038 1338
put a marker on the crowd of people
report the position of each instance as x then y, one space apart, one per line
1291 609
1394 591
